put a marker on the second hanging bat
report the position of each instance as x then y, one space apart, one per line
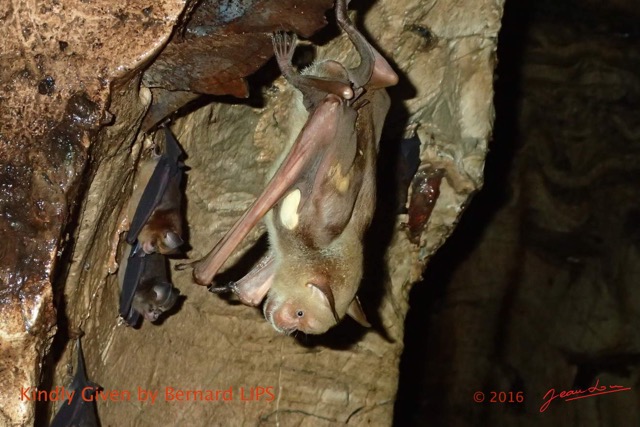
320 201
145 287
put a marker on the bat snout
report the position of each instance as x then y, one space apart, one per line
149 247
152 315
283 318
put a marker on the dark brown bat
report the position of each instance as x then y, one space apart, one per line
322 197
155 294
157 221
425 190
80 410
145 286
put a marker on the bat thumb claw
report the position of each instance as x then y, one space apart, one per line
183 266
215 289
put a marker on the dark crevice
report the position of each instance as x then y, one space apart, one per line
416 403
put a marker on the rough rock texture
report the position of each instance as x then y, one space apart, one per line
545 296
57 64
445 53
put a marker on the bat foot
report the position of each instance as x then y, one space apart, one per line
284 44
229 287
183 266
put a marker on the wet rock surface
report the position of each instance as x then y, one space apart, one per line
58 61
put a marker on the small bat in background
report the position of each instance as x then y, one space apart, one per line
81 410
322 197
145 286
157 221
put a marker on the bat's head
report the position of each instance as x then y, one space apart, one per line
169 241
311 292
309 295
161 297
309 308
159 239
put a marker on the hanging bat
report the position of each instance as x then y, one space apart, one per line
157 221
322 197
145 287
80 409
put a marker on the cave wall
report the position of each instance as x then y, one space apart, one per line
445 54
537 288
57 63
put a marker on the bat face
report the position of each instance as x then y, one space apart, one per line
302 308
305 301
162 232
311 290
154 298
321 197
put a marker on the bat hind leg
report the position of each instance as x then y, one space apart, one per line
253 287
284 45
373 69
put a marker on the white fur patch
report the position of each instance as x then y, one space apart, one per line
289 210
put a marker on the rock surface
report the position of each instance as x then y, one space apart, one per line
58 64
537 290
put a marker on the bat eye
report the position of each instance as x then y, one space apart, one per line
300 313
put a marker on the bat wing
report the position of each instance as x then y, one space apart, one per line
166 170
335 185
135 267
318 133
78 412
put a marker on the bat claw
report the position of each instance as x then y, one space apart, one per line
284 44
229 287
183 266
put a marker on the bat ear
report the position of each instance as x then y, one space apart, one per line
172 241
165 293
328 294
160 290
356 313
